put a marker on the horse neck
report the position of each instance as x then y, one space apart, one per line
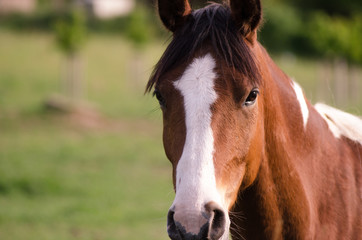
307 173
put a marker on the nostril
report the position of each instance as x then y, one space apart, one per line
217 224
171 226
217 220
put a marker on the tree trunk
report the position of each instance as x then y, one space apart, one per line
73 87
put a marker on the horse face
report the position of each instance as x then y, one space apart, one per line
212 131
211 138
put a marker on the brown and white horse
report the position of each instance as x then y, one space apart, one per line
251 157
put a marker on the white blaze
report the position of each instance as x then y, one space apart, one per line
195 173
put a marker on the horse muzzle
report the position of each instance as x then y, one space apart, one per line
210 223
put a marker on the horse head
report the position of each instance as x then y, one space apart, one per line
208 84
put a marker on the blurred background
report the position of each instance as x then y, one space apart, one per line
81 155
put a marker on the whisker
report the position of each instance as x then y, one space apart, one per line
236 231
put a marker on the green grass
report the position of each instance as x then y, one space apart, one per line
61 179
60 182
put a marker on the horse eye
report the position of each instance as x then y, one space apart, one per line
159 98
252 97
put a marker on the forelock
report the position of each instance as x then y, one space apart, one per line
212 24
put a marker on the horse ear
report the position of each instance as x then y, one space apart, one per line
247 15
173 13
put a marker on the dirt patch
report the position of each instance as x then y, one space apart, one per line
85 116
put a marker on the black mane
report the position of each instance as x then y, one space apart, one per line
212 24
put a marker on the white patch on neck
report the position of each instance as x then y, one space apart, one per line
303 104
195 173
341 123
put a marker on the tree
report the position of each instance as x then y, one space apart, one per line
70 32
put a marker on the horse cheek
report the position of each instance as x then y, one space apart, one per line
254 157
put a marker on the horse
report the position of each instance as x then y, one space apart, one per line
251 157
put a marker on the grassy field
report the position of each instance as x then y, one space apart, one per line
60 179
63 178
